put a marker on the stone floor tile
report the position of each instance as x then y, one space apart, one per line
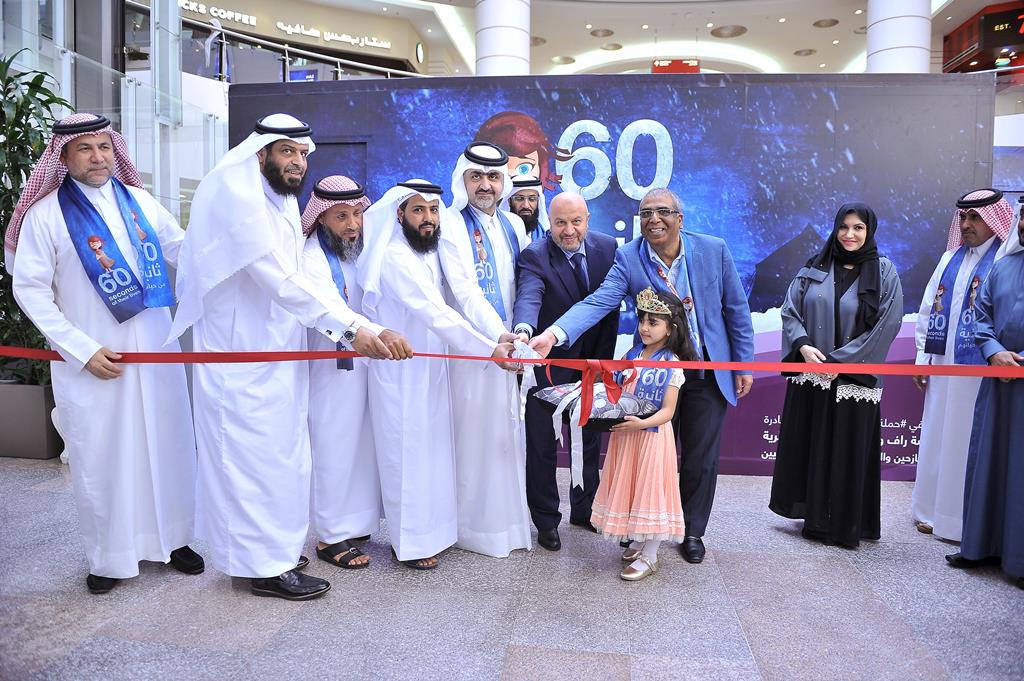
698 668
528 663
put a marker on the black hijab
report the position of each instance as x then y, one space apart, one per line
865 258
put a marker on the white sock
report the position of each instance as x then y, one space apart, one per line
651 550
635 545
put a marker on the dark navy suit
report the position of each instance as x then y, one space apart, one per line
546 288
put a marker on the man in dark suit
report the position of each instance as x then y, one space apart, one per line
553 274
699 269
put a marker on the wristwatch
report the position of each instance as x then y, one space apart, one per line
350 333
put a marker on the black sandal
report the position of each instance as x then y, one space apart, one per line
413 563
341 555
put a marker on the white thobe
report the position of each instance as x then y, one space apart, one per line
938 496
129 439
490 450
345 494
252 503
411 403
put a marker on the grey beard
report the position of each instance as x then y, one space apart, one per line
346 250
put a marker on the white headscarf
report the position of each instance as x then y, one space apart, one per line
229 227
496 160
522 183
1012 243
380 226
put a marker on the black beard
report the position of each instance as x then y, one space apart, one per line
531 221
418 242
276 179
346 249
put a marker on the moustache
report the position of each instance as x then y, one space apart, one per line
427 224
484 191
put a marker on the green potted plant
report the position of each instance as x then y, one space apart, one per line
28 110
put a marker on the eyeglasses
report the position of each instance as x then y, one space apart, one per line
648 213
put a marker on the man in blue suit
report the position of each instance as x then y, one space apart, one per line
699 269
553 274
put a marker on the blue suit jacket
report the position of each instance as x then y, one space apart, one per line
546 289
722 312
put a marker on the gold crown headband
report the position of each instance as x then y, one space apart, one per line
648 301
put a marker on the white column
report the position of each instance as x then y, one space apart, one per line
502 37
899 36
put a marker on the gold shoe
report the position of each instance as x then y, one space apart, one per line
631 574
923 528
629 555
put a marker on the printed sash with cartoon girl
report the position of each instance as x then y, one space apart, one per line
483 256
964 349
106 267
680 288
650 382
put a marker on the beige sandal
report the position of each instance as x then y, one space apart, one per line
923 528
631 574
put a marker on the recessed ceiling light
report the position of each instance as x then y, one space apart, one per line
384 9
645 27
602 32
730 31
835 42
782 20
821 66
825 23
948 18
858 11
536 41
563 60
429 31
973 63
611 47
806 52
456 70
1020 101
589 26
861 31
710 24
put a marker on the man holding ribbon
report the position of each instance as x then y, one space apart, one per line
127 428
489 439
345 495
698 269
402 281
242 289
993 530
945 335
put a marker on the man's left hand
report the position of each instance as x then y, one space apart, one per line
743 382
396 343
1006 359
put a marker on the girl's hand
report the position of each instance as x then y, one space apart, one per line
631 423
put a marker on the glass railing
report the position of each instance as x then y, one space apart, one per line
171 158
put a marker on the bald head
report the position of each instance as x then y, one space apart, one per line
569 220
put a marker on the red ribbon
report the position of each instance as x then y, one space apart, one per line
592 369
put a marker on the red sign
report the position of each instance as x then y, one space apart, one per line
675 66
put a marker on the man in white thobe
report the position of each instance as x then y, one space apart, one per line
945 335
242 289
527 201
401 276
345 497
79 271
478 252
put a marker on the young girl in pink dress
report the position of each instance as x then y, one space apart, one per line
638 498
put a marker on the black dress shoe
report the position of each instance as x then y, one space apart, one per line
303 562
549 539
692 549
585 524
100 585
188 561
957 560
292 586
1020 582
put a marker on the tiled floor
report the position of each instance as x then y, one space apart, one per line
764 605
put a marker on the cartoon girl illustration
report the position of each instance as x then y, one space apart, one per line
96 245
975 283
481 252
529 150
141 232
937 304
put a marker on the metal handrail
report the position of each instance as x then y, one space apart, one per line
285 48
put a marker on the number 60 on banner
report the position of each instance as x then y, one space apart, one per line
623 158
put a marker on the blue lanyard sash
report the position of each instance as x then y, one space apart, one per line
964 349
483 256
338 275
659 279
105 266
651 383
